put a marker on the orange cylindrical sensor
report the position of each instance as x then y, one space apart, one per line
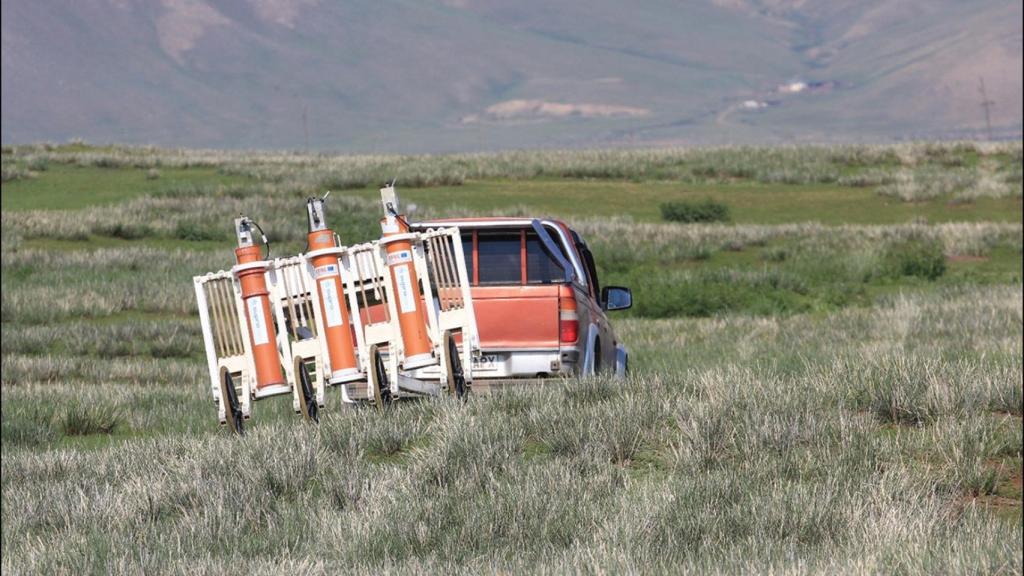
337 328
398 245
262 336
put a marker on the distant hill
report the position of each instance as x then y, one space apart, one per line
376 75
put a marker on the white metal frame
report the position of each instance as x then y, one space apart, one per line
293 289
224 300
226 331
449 307
440 264
458 313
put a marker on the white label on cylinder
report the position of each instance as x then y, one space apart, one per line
399 257
406 295
328 270
257 321
332 308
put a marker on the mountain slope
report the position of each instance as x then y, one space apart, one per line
468 75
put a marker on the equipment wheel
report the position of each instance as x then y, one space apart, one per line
229 399
380 386
307 397
456 377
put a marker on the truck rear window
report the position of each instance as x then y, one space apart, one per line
500 258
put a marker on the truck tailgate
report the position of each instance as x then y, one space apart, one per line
523 317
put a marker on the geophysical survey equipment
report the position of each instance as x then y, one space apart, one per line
387 319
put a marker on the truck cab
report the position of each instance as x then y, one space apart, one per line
540 308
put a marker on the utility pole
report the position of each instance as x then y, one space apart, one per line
987 105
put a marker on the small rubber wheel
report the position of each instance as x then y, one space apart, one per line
229 398
307 398
456 377
380 386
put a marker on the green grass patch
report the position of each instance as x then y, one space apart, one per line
70 187
749 203
1002 264
98 242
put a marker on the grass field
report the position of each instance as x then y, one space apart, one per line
830 382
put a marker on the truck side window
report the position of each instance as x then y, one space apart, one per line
588 262
500 258
541 267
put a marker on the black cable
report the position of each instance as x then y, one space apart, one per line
263 235
398 216
323 200
394 212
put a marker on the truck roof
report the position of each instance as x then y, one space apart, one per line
484 221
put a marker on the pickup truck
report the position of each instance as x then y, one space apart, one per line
540 309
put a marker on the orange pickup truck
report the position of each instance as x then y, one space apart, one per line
540 309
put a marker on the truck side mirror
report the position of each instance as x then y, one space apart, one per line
616 298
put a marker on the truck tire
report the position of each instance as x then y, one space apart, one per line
621 362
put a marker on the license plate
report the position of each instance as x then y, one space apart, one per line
486 362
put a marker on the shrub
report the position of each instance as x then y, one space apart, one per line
918 258
37 164
902 401
26 427
194 232
124 231
12 172
776 254
82 419
686 211
341 181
